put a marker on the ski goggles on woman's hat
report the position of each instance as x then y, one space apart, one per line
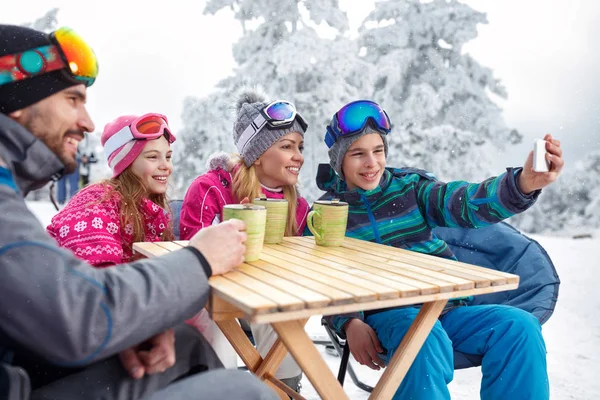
147 127
68 52
354 117
279 114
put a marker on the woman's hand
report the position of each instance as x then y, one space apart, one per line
529 180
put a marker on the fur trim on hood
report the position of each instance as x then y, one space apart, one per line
220 159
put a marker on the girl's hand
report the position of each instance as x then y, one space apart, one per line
529 180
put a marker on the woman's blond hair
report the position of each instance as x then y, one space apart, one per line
131 190
246 184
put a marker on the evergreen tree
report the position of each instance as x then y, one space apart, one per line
47 23
569 206
281 52
437 97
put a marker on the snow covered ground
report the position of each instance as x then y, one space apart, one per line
572 334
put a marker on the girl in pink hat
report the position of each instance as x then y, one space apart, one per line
102 221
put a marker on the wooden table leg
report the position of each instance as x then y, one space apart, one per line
275 356
407 350
247 352
240 343
307 356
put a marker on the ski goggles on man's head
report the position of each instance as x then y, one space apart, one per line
68 52
354 117
276 115
147 127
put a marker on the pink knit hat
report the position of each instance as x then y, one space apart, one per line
122 157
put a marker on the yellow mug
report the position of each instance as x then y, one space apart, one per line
255 218
327 222
277 211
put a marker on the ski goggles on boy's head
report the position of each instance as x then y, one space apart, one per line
354 117
68 52
279 114
147 127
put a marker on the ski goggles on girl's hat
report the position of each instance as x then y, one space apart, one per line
279 114
354 117
68 52
147 127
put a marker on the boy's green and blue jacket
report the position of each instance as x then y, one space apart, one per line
409 203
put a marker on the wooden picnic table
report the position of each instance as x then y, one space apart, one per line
298 279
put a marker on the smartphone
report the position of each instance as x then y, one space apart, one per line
540 164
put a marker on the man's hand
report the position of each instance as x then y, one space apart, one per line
151 357
529 180
364 345
222 245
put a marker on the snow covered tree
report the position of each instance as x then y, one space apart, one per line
207 129
408 57
281 52
436 96
569 206
47 23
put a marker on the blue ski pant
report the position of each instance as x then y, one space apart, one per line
509 339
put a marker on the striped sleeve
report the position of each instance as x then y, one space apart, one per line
472 205
337 322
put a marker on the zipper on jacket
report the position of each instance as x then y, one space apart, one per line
371 218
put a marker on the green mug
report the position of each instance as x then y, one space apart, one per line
327 222
277 212
255 218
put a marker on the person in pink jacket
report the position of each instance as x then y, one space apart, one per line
103 220
269 137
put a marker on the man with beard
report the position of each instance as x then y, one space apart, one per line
76 331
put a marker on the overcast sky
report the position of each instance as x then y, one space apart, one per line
153 55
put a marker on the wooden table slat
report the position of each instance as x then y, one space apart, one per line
350 254
430 260
353 276
352 257
327 278
285 301
311 298
150 249
372 274
336 295
172 246
246 300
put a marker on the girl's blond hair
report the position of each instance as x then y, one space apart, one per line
246 184
131 190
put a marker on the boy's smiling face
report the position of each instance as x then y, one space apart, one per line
364 162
